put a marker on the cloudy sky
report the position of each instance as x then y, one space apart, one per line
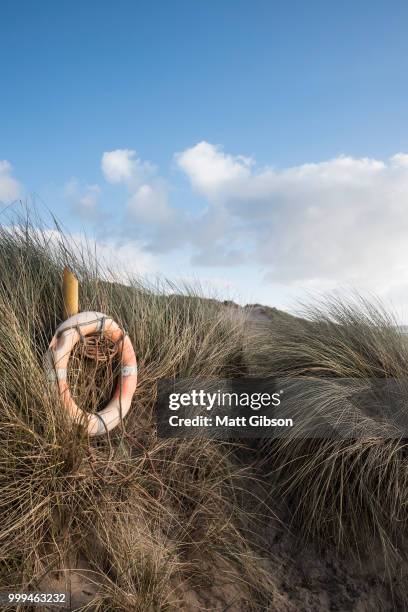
260 147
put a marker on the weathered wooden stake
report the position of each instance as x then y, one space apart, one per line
70 293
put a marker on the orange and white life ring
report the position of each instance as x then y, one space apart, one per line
65 338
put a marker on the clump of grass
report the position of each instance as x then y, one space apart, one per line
152 520
350 492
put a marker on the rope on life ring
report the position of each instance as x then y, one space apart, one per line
65 338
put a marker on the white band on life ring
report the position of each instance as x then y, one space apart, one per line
65 338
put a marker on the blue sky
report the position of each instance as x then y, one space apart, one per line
259 144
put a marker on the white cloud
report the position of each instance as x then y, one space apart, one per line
122 166
149 204
313 226
148 193
116 259
88 203
211 170
10 188
344 220
84 198
124 259
400 159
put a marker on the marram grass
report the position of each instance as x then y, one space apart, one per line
151 522
351 493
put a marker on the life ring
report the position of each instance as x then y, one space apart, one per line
65 338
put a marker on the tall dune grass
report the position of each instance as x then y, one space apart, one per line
353 492
155 524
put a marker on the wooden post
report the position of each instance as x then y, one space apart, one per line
70 293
